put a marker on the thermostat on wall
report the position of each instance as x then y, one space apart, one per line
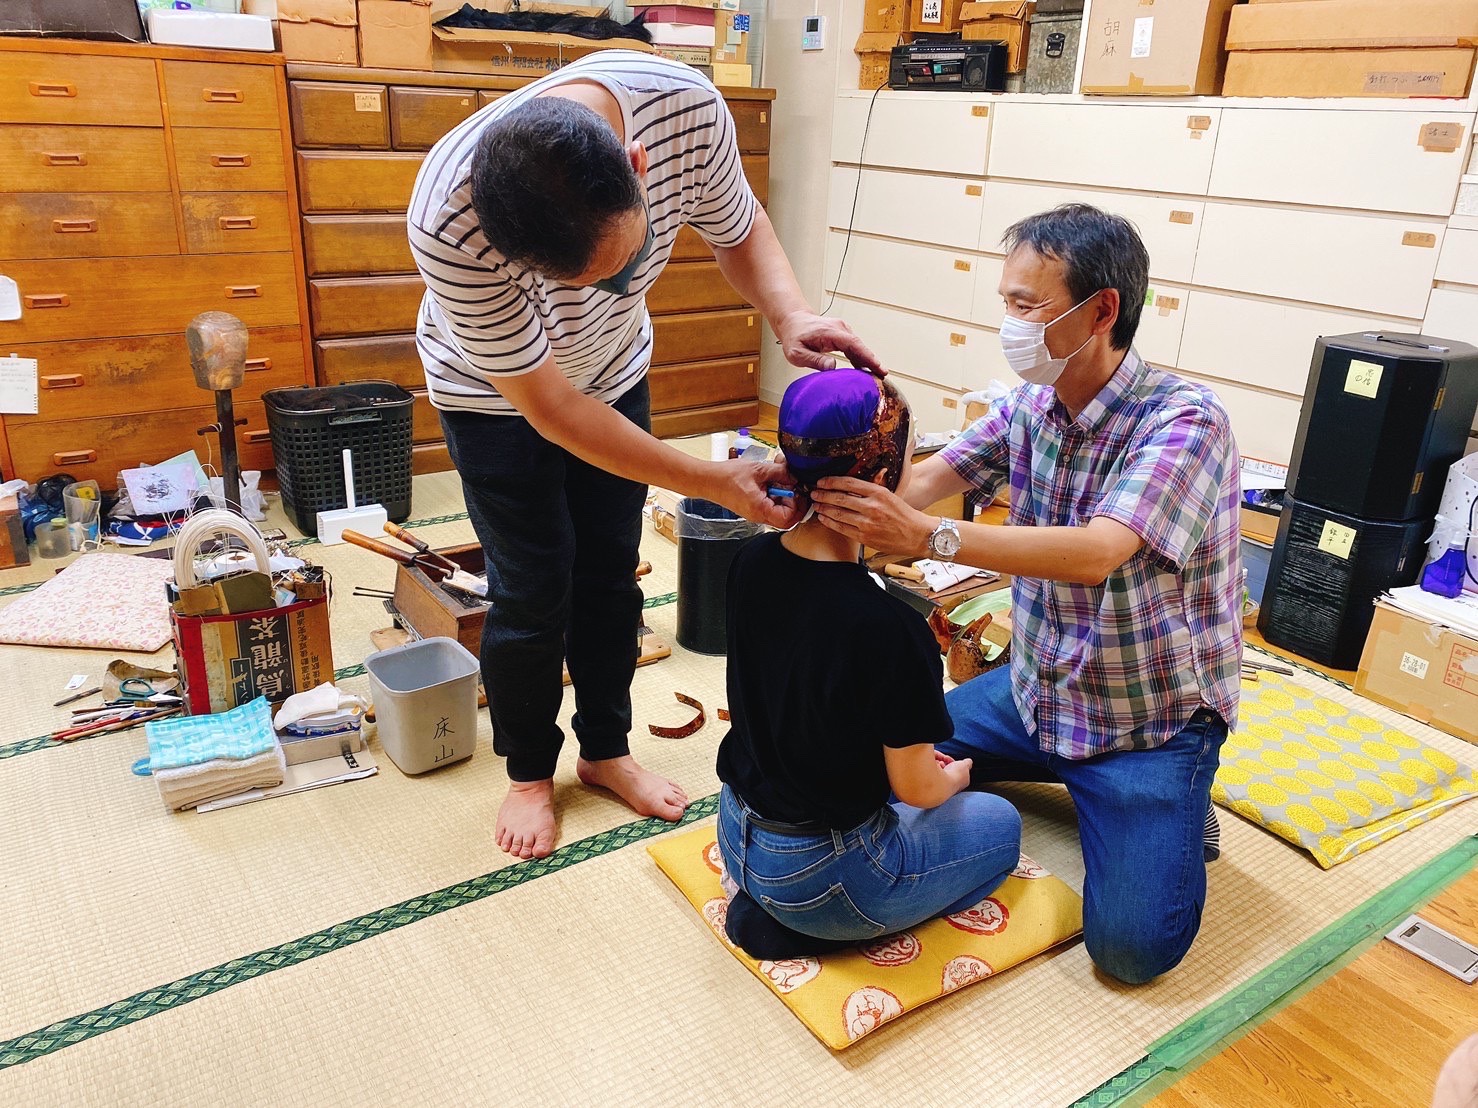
813 32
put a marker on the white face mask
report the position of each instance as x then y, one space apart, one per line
1025 346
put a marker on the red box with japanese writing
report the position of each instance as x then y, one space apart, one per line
229 660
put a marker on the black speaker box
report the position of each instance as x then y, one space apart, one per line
1384 416
1327 570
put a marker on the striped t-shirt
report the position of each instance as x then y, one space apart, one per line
484 317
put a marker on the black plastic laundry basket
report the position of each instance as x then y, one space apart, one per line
312 427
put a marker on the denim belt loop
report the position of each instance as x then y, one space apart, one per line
838 843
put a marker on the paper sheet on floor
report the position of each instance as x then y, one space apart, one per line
348 766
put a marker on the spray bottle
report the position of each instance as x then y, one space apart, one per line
1447 553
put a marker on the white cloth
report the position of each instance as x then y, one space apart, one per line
941 575
325 700
188 786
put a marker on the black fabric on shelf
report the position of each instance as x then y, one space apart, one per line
548 23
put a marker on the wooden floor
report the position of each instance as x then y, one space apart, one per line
1375 1033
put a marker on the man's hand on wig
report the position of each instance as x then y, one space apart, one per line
743 488
810 341
872 515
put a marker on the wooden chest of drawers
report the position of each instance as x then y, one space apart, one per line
140 186
360 136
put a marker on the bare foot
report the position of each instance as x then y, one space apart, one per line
647 793
526 825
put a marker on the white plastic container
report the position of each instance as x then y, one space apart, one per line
213 29
425 696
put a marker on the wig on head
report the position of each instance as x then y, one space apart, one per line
844 423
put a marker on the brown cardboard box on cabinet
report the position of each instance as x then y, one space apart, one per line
934 16
395 34
1140 48
872 50
319 31
885 15
1001 21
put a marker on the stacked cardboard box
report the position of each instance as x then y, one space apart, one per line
1140 48
1000 21
1398 48
701 33
884 26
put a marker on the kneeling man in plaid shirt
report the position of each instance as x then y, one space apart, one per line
1126 605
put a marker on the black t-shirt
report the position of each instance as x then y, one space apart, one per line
825 669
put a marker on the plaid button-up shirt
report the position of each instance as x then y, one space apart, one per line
1121 665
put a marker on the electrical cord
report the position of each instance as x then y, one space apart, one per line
856 191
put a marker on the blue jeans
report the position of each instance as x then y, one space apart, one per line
898 868
561 539
1141 816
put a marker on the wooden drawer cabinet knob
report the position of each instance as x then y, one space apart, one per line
74 226
64 159
243 292
53 88
62 381
237 222
256 365
230 161
223 95
254 437
74 457
48 300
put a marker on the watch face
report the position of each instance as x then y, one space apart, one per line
946 543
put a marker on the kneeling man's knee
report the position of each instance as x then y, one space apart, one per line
1133 954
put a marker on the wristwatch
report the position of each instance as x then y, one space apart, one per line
944 542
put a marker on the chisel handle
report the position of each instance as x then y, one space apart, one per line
399 532
367 543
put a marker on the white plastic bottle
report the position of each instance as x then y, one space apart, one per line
742 442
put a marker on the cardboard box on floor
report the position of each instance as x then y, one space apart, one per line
1140 48
1427 672
1000 21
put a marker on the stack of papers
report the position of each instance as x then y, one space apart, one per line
1460 613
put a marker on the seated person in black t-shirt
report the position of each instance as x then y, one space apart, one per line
836 696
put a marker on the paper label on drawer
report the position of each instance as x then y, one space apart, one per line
932 12
1144 31
10 299
1363 378
1416 667
366 101
1440 138
18 387
1337 539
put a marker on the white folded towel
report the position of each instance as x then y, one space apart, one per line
188 786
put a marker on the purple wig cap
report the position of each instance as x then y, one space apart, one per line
844 423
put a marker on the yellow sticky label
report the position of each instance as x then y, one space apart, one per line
962 266
980 110
1337 539
366 101
1363 378
1425 239
1199 122
950 402
1182 217
956 339
974 190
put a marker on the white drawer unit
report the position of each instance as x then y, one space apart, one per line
1382 161
923 278
1160 325
1372 263
1452 315
1267 343
910 131
1264 424
934 409
1169 226
1458 262
936 351
940 210
1151 148
988 308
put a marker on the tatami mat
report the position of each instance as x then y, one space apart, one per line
591 981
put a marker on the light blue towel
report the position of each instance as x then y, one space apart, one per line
241 733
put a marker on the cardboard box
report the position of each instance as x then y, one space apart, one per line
688 55
1391 73
110 20
1002 21
395 34
731 38
885 15
1428 672
227 660
319 31
518 53
733 75
678 13
1140 48
873 49
1259 523
934 15
1353 24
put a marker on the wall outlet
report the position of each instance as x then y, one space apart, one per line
813 32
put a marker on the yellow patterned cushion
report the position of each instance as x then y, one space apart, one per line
1327 778
842 997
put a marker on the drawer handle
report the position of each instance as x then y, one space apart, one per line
49 300
254 437
62 381
223 95
74 226
237 222
74 457
255 365
64 159
53 88
230 161
243 292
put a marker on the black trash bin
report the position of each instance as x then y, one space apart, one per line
708 537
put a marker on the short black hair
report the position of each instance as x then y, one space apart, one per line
1097 251
548 180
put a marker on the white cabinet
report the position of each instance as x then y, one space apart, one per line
1458 262
1169 226
923 278
940 210
1264 424
933 350
1396 161
934 409
1160 324
913 131
1372 263
1150 148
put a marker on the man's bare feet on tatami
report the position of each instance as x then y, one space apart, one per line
526 826
647 793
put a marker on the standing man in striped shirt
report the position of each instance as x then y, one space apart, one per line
539 224
1126 641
